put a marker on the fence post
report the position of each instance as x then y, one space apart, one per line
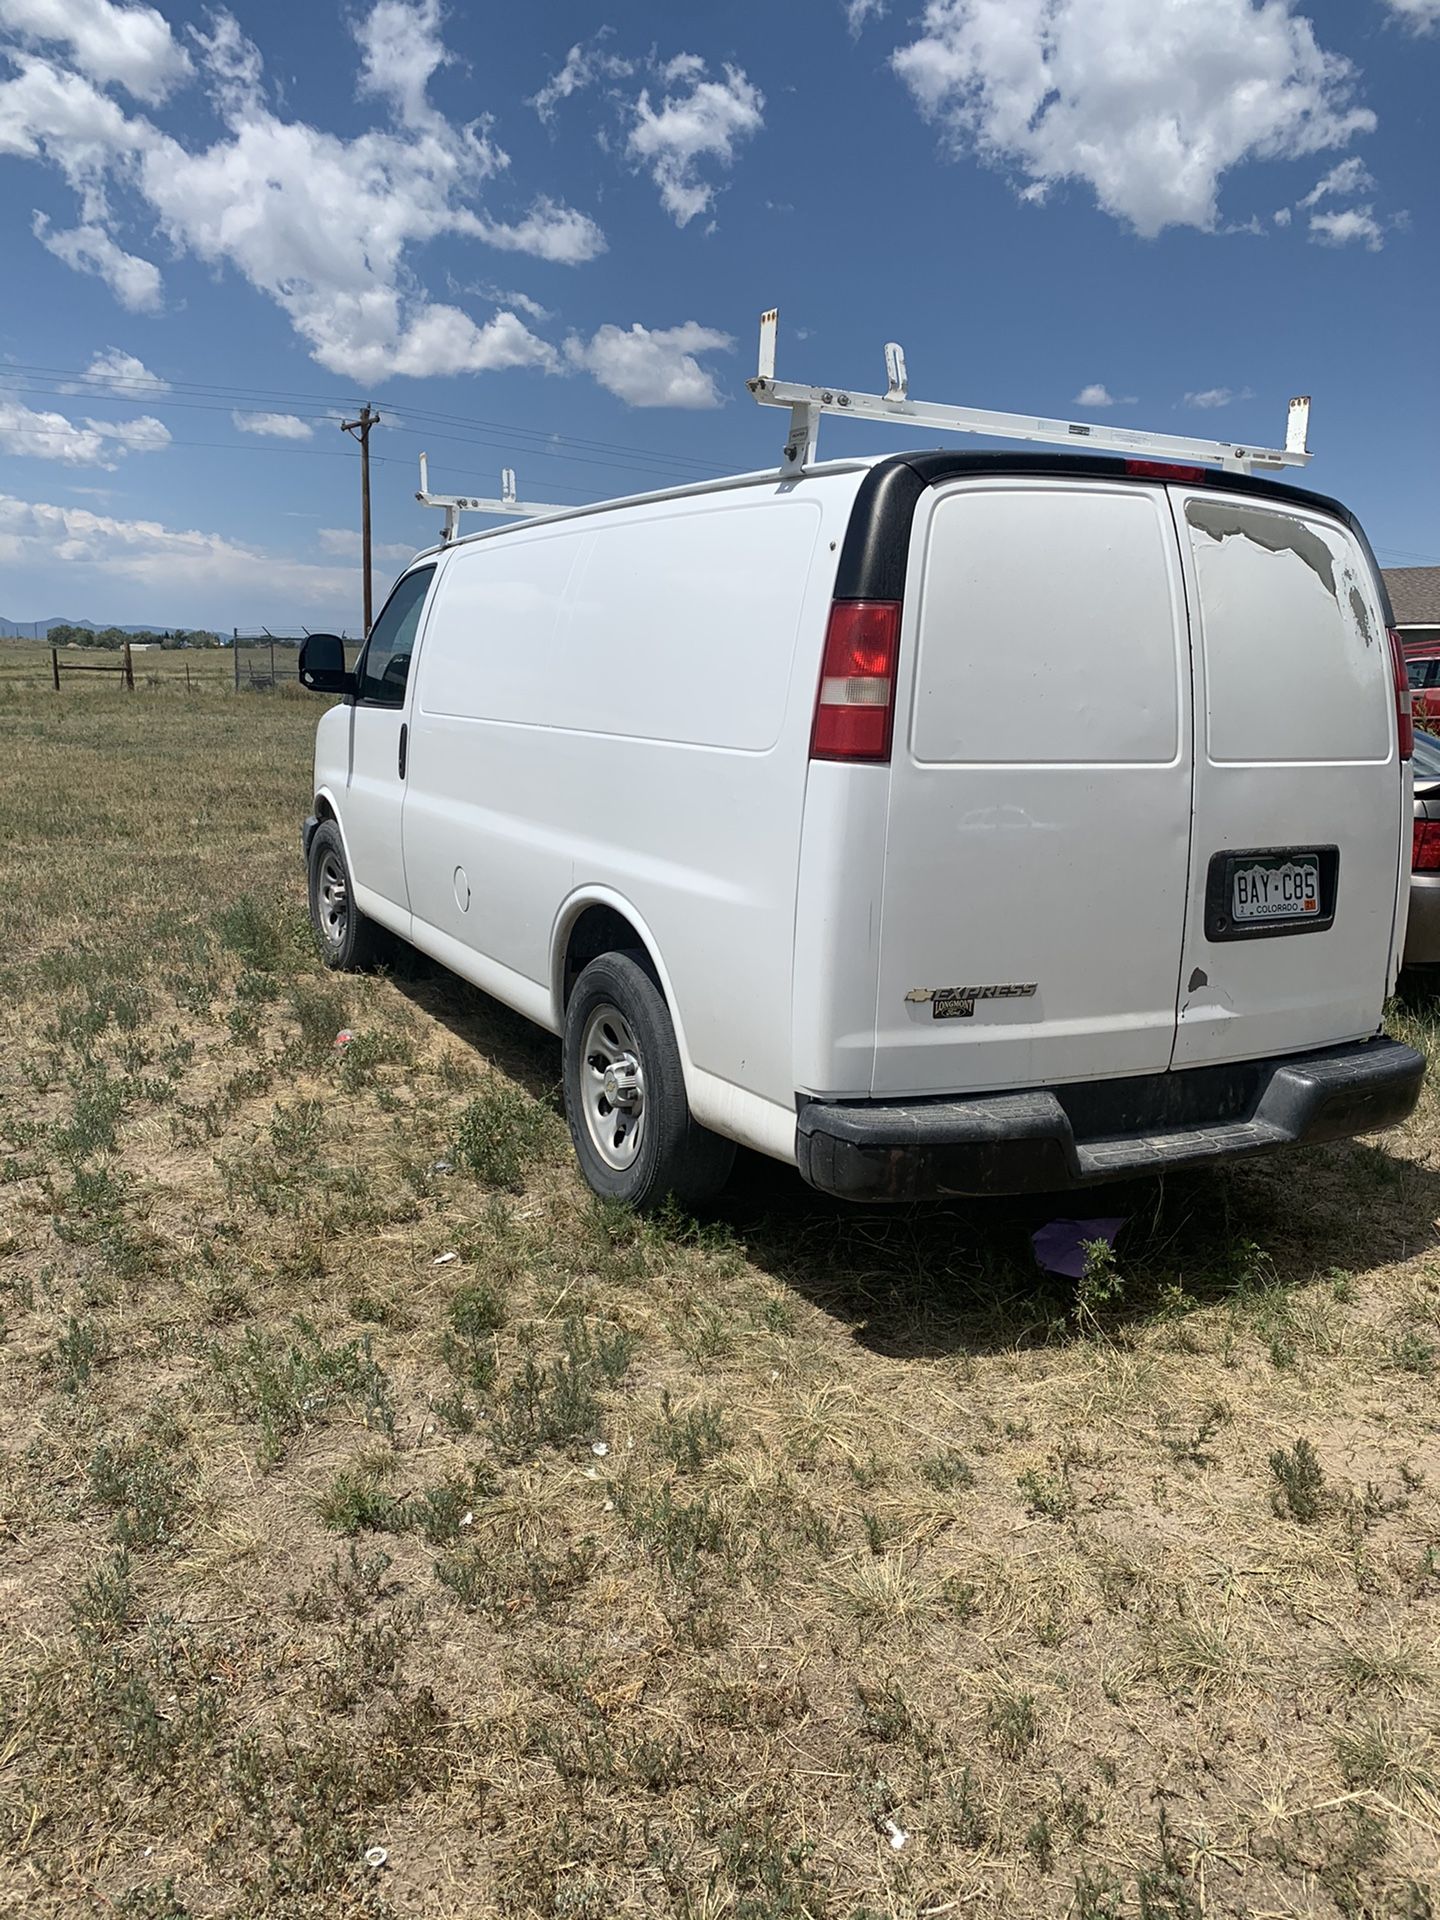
235 649
187 676
55 667
272 663
129 669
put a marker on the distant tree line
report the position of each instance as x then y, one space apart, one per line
113 639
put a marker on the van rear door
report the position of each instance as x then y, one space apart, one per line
1294 861
1040 790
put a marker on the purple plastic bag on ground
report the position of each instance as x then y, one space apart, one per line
1060 1246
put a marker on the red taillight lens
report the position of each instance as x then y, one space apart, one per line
1404 719
1425 855
1162 470
855 707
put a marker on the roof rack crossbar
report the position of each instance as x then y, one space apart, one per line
454 504
894 407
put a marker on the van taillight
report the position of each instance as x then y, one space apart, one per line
1164 470
855 707
1404 718
1425 848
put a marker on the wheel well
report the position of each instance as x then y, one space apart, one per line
323 809
601 930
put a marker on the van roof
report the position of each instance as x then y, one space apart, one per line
872 560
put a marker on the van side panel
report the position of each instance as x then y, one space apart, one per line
1040 790
481 870
837 928
619 704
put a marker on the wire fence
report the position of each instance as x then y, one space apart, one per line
247 661
261 660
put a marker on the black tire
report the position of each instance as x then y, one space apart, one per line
347 940
668 1153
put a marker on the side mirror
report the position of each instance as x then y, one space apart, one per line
322 665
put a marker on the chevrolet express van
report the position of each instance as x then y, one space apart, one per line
939 823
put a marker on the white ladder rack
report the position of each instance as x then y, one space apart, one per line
454 504
894 407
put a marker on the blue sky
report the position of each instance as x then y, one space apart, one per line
542 236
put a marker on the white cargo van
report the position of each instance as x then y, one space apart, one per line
941 824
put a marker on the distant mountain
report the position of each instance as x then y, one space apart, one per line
37 629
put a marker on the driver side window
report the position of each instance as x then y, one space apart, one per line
385 667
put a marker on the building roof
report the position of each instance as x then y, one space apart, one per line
1414 595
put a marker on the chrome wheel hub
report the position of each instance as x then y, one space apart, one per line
332 899
612 1088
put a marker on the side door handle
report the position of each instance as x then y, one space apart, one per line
404 742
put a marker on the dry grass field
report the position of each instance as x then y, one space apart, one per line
388 1529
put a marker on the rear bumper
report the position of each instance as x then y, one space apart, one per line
1077 1136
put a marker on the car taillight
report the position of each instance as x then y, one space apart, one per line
1404 718
1425 854
855 706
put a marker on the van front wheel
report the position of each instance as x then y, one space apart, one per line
347 940
625 1093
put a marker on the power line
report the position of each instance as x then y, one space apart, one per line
228 396
506 441
219 446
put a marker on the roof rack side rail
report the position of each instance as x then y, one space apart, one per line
454 504
894 407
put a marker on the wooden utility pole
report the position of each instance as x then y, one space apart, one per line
361 430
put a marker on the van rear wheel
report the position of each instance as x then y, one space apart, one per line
625 1093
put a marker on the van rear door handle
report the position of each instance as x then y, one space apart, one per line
404 741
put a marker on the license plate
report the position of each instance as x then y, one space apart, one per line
1286 887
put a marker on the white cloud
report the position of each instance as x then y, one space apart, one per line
1282 216
1149 102
508 297
144 434
584 65
548 232
708 122
274 426
234 70
64 119
1421 16
1210 397
682 67
1099 395
1349 226
401 49
442 340
652 368
114 371
857 12
173 561
126 45
1344 179
134 282
345 541
323 225
95 443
